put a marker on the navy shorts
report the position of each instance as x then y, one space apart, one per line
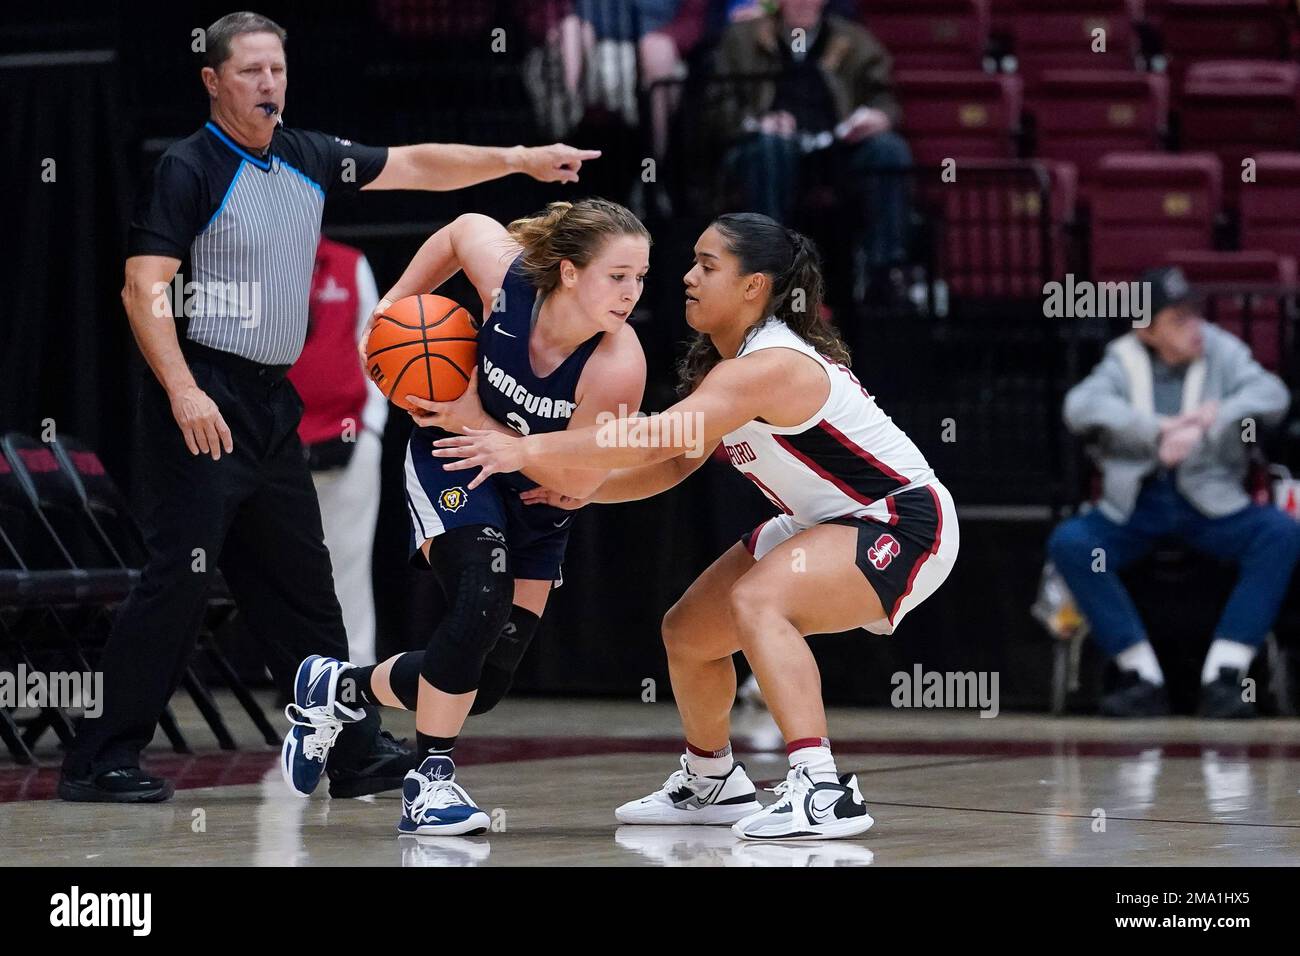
439 500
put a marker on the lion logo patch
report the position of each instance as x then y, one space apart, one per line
453 499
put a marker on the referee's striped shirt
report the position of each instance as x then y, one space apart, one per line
246 228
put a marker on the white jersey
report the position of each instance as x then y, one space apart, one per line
847 460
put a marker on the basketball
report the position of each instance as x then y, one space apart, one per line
423 345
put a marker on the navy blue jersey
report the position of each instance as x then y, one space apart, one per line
509 390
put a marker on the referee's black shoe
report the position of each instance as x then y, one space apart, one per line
123 785
382 766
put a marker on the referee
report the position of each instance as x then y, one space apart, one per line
225 479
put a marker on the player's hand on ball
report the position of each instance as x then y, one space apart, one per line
555 164
375 313
465 412
545 496
201 422
493 452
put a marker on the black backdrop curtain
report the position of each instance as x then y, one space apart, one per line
66 342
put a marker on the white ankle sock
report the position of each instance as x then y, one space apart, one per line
715 766
818 760
1141 657
1226 653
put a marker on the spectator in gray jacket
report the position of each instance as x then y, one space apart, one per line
1174 407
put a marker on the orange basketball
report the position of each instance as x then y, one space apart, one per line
423 345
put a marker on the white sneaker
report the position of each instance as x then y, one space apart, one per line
809 810
686 797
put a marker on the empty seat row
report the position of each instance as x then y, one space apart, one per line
1003 228
1160 201
1235 109
1048 34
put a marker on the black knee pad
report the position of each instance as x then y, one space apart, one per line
404 678
474 570
500 666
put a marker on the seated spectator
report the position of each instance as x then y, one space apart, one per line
834 93
1168 404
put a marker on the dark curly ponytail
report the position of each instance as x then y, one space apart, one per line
790 260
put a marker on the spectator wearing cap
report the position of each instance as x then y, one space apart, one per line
1171 405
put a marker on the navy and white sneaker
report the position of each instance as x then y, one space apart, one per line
686 797
433 803
809 810
317 718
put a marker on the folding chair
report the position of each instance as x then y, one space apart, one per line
106 508
46 504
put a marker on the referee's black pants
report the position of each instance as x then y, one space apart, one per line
255 515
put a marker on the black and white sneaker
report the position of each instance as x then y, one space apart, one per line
686 797
809 810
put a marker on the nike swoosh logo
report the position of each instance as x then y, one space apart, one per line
561 524
311 688
504 332
819 812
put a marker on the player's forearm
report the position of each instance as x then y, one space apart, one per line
431 266
601 446
574 482
645 481
154 328
447 166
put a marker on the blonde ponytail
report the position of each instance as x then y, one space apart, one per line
573 231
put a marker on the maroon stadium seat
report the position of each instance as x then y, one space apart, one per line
1003 225
1243 293
1270 206
1153 11
930 34
1055 35
1222 29
950 114
1144 203
1001 13
1082 115
1238 108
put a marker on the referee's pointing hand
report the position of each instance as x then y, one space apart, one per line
557 163
201 422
